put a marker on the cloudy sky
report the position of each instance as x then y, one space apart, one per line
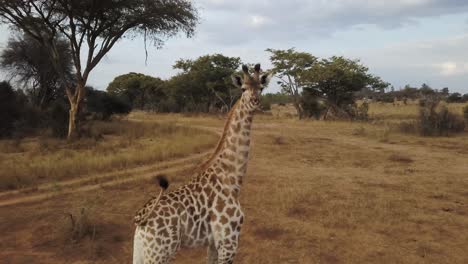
403 41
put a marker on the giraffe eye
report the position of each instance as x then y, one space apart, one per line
243 89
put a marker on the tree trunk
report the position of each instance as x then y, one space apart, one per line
75 108
72 122
297 105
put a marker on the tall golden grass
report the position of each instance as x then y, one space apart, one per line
401 112
112 146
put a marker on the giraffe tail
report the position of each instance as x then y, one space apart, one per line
142 215
162 182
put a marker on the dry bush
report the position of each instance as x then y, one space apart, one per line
359 131
434 120
465 114
361 112
439 123
408 127
400 158
11 146
79 225
279 140
80 220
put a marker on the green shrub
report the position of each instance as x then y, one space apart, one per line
312 105
454 98
265 104
102 105
9 109
57 118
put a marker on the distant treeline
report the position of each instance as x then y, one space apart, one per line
413 93
318 88
202 85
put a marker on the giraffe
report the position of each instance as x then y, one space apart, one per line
206 211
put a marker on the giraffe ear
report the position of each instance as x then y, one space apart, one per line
237 81
266 78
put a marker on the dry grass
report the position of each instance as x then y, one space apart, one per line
113 145
397 113
315 192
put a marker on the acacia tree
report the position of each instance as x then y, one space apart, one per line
139 90
337 80
206 83
289 67
29 64
92 28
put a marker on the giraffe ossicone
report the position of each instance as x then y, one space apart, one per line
205 211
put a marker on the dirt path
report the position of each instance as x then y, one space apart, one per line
49 190
100 181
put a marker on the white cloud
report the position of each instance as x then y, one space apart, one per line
259 21
437 62
450 68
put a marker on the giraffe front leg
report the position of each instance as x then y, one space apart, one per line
226 253
212 254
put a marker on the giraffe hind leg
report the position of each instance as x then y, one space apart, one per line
226 253
212 254
138 247
154 254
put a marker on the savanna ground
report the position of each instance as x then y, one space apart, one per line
315 191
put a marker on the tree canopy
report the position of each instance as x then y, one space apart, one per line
139 90
289 67
337 79
92 28
28 62
205 83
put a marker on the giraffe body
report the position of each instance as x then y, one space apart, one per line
206 211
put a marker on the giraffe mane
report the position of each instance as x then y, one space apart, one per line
219 146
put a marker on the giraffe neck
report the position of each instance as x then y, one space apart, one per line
232 154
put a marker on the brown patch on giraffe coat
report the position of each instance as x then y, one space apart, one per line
226 192
236 127
245 154
233 148
211 198
223 220
244 142
220 204
232 180
227 167
231 158
213 217
163 232
230 211
213 179
234 225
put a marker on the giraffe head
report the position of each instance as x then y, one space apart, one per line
252 85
